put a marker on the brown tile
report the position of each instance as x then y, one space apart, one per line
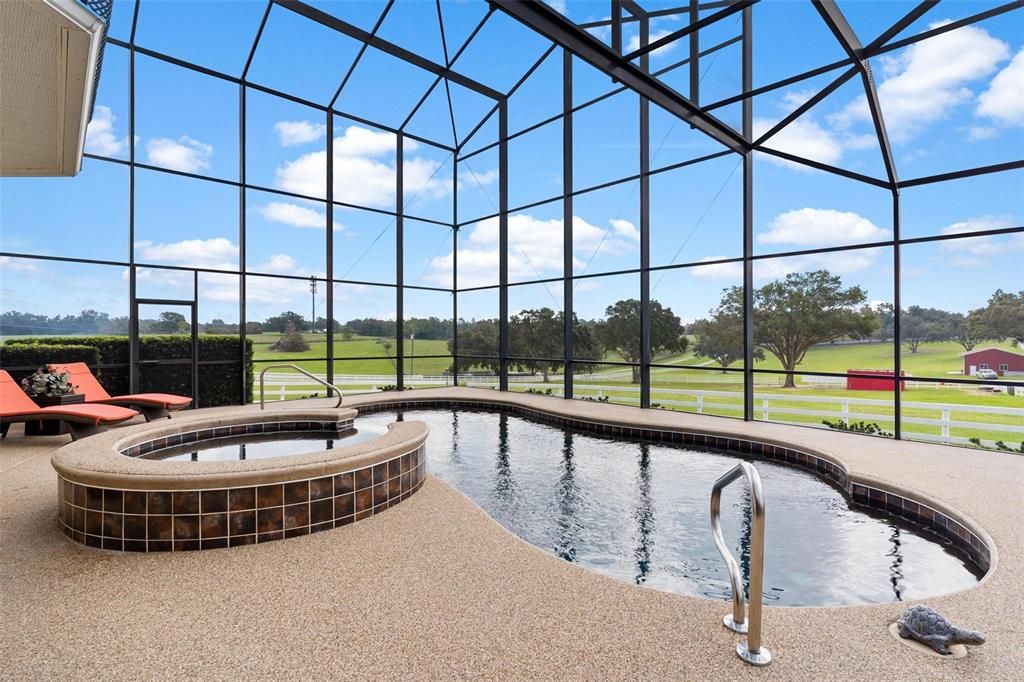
269 520
213 501
159 546
380 473
160 528
297 491
295 532
237 540
78 518
320 488
135 527
406 481
296 515
321 527
343 483
94 498
94 522
344 505
213 526
321 511
344 521
269 496
113 544
363 478
404 463
186 502
364 500
134 502
113 525
395 487
380 494
242 523
186 545
364 514
218 543
241 499
94 541
67 489
134 545
268 537
186 527
113 501
159 503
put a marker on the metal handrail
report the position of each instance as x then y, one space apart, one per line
750 649
315 378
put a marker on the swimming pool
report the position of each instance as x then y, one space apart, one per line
639 512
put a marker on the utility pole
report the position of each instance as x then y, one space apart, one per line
312 290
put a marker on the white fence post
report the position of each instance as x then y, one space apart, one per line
700 403
764 408
846 412
282 393
945 425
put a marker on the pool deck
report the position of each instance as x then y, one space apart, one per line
434 588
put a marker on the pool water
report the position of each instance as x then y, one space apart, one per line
639 512
266 445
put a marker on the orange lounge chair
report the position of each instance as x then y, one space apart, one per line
82 420
152 405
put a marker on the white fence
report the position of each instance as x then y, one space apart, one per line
769 406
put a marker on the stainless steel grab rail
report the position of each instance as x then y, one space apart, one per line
750 649
302 371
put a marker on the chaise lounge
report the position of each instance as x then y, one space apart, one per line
152 405
82 420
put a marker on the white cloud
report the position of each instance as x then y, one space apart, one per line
17 264
558 6
975 133
535 249
634 43
364 171
803 137
216 253
811 227
292 133
1004 98
928 80
101 135
184 154
975 251
294 215
841 263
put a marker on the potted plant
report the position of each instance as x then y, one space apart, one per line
50 388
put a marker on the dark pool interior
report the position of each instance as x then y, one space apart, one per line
267 445
639 512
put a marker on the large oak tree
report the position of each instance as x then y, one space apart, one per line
620 331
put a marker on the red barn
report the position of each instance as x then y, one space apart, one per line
1002 361
868 381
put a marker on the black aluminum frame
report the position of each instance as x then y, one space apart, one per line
631 71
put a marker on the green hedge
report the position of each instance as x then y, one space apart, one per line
34 356
218 384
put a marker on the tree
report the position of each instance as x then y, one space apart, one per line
964 330
169 323
720 337
921 325
478 345
621 330
794 314
279 323
292 341
1002 318
535 337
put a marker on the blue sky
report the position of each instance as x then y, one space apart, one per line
950 103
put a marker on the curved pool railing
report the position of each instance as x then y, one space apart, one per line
750 649
302 371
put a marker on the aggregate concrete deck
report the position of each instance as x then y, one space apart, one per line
436 589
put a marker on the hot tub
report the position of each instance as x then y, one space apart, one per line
116 492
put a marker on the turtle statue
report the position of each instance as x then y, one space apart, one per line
924 624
